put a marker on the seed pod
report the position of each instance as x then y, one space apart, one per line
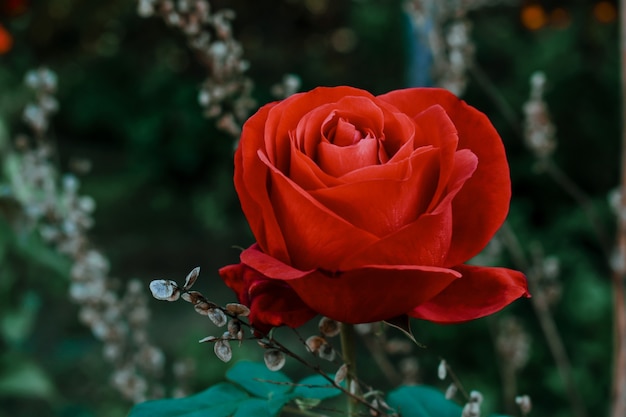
223 351
329 327
163 289
218 317
191 278
274 359
238 309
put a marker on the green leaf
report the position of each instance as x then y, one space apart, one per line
258 407
221 400
315 387
258 380
422 401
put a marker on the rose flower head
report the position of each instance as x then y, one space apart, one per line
365 208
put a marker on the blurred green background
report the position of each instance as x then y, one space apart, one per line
161 178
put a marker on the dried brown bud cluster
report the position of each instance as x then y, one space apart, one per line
53 206
441 25
226 92
228 316
539 132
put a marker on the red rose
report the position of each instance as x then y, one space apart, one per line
367 207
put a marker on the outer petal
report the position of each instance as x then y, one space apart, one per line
251 184
272 303
483 203
372 293
479 292
427 240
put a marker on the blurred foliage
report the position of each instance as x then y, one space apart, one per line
162 179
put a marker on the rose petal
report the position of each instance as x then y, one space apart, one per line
339 160
272 303
277 304
479 292
315 236
397 195
372 293
285 116
251 182
482 204
271 267
424 242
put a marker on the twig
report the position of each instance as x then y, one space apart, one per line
547 323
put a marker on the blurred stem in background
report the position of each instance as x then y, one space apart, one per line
618 403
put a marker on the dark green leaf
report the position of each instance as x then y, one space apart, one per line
221 400
315 387
258 407
422 401
258 380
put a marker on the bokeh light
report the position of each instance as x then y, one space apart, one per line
534 17
604 12
6 40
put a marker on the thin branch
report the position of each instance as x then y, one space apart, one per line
547 323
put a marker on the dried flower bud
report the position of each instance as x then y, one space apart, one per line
451 391
217 316
208 339
524 403
314 343
471 409
163 289
194 297
354 387
341 374
238 309
223 351
191 278
442 370
329 327
234 327
327 352
274 359
476 397
264 343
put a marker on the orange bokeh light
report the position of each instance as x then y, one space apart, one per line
604 12
6 41
533 17
560 18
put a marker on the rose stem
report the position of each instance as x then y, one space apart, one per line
348 352
618 400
